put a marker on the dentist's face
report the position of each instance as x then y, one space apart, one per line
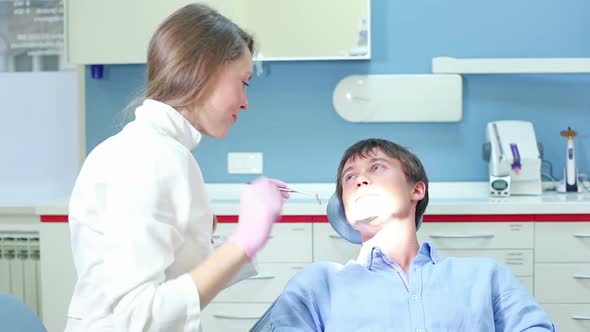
375 191
225 100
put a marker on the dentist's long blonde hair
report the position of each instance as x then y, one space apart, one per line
186 52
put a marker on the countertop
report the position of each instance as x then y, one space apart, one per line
446 198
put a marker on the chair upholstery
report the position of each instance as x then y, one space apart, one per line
15 316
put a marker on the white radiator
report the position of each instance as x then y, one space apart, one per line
19 267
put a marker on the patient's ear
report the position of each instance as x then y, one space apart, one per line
419 191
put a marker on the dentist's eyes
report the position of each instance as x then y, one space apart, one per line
245 83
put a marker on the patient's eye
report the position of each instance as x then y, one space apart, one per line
376 167
348 177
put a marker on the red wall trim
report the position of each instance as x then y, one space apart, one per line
290 218
478 217
54 218
562 217
221 218
427 218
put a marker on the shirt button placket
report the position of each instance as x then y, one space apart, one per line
416 305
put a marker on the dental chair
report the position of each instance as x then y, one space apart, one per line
261 323
17 316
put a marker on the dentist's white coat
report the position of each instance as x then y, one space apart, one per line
140 221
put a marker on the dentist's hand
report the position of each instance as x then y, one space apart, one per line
261 204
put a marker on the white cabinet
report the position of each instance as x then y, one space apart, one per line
540 254
573 280
237 308
232 317
58 274
510 243
562 273
520 261
562 242
266 286
569 317
111 31
288 242
478 235
331 247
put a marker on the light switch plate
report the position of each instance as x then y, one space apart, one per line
244 163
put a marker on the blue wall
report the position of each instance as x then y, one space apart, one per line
292 121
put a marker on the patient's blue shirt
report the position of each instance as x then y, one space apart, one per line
374 294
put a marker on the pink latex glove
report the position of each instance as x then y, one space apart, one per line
261 203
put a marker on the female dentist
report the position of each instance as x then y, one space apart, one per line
139 216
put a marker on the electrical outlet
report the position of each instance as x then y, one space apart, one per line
244 163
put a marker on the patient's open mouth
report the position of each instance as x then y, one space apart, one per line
364 196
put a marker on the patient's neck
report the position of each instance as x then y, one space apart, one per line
398 241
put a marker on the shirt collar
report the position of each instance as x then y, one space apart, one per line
168 121
427 254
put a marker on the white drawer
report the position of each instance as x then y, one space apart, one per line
562 242
520 261
232 317
569 317
562 283
329 246
527 282
289 242
478 235
264 287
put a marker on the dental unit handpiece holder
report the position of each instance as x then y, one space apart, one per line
514 157
570 172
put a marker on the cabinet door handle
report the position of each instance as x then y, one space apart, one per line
221 316
509 262
582 235
579 276
261 277
332 236
581 317
462 236
515 259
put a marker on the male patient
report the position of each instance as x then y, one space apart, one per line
396 284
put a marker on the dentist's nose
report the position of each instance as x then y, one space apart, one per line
245 104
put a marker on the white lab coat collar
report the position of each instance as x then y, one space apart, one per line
169 121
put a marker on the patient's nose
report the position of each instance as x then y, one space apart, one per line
362 181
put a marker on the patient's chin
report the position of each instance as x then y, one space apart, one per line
366 220
362 223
